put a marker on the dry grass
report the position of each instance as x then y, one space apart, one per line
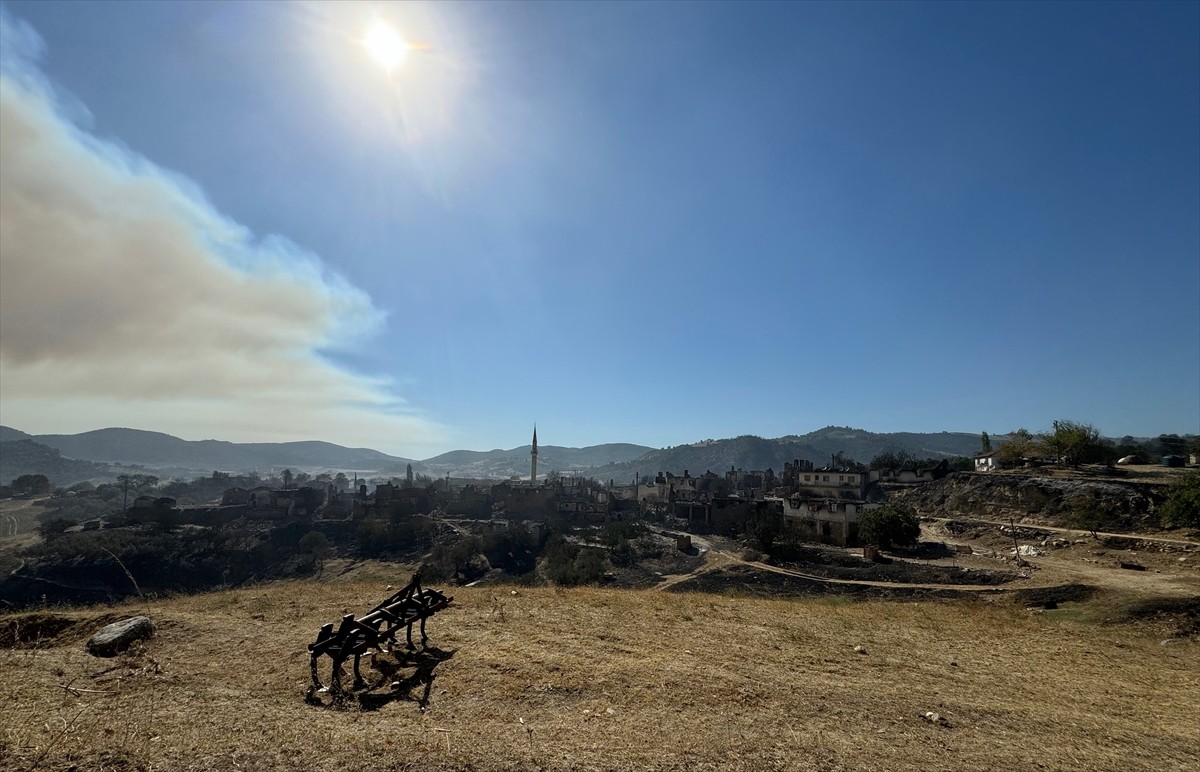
611 679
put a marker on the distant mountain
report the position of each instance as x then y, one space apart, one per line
24 456
169 455
166 452
502 464
750 452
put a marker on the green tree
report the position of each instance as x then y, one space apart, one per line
985 443
1074 443
1172 445
888 525
32 484
287 476
900 459
1021 444
764 525
316 544
1182 507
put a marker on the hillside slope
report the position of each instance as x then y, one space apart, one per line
20 457
1032 497
589 679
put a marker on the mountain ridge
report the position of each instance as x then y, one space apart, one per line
618 461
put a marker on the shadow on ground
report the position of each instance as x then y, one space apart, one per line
392 682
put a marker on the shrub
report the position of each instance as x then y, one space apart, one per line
1182 507
52 529
1092 514
568 564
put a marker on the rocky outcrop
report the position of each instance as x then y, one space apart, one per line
998 496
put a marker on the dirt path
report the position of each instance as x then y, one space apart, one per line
717 558
1050 570
18 516
1090 563
1078 534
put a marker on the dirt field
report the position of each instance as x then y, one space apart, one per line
606 679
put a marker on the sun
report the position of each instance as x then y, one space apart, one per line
385 45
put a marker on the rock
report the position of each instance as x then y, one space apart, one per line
936 718
860 649
1170 642
115 638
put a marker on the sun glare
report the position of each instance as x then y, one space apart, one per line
385 45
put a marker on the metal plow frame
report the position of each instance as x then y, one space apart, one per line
374 630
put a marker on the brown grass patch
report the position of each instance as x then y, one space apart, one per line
613 679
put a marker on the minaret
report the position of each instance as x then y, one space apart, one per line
533 459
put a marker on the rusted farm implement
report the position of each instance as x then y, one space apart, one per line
376 629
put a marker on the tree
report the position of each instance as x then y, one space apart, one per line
985 443
32 484
1021 444
316 544
1074 443
1182 507
137 482
764 524
889 524
1172 445
900 459
287 476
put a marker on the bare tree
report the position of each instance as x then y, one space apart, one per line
135 481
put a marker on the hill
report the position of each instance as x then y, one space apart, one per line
494 464
8 434
24 456
590 679
750 452
171 455
160 451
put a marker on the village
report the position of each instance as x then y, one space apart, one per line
821 503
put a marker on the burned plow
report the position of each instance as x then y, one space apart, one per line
376 630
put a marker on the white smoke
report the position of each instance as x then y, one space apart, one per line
127 299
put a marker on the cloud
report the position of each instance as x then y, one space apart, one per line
127 299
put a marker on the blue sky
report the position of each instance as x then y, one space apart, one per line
649 223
